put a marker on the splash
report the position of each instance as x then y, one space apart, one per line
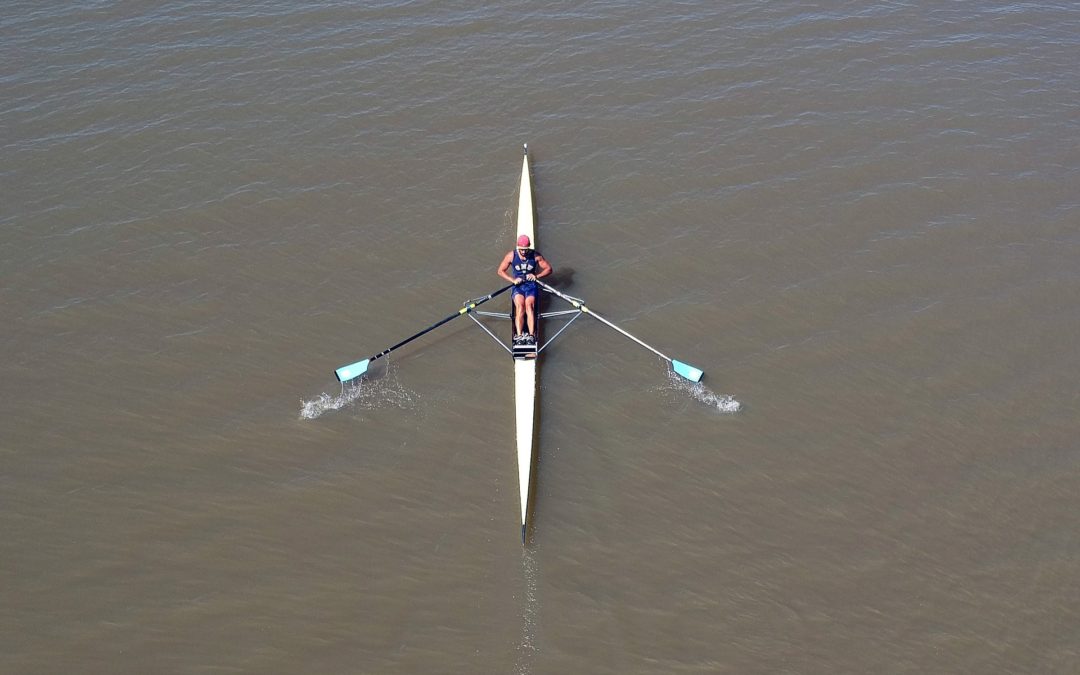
367 393
723 403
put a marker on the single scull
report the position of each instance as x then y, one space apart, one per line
525 362
526 357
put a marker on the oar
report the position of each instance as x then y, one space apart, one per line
354 370
684 369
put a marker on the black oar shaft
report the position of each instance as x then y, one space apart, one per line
417 335
464 310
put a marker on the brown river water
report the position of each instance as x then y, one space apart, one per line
862 220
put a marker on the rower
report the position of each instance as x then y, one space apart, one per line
522 267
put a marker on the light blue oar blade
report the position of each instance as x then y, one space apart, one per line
352 370
688 371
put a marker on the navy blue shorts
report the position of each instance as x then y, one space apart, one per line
529 289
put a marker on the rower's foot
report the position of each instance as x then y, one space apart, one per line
530 339
519 338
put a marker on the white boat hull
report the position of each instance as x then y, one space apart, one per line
525 369
525 403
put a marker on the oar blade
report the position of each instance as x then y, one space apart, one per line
352 371
688 371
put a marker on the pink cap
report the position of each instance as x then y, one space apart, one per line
523 241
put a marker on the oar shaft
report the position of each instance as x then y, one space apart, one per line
422 333
464 310
360 367
586 310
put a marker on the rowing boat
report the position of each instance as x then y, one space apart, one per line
525 362
526 357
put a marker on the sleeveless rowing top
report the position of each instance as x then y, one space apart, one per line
524 266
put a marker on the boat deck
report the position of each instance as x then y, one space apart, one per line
524 351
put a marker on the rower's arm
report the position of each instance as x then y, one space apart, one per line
545 267
504 266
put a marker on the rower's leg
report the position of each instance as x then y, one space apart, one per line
530 314
519 313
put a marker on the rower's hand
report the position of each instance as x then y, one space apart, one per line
530 277
517 280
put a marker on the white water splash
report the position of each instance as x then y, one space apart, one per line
367 393
723 403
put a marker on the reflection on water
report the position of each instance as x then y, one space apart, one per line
529 615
